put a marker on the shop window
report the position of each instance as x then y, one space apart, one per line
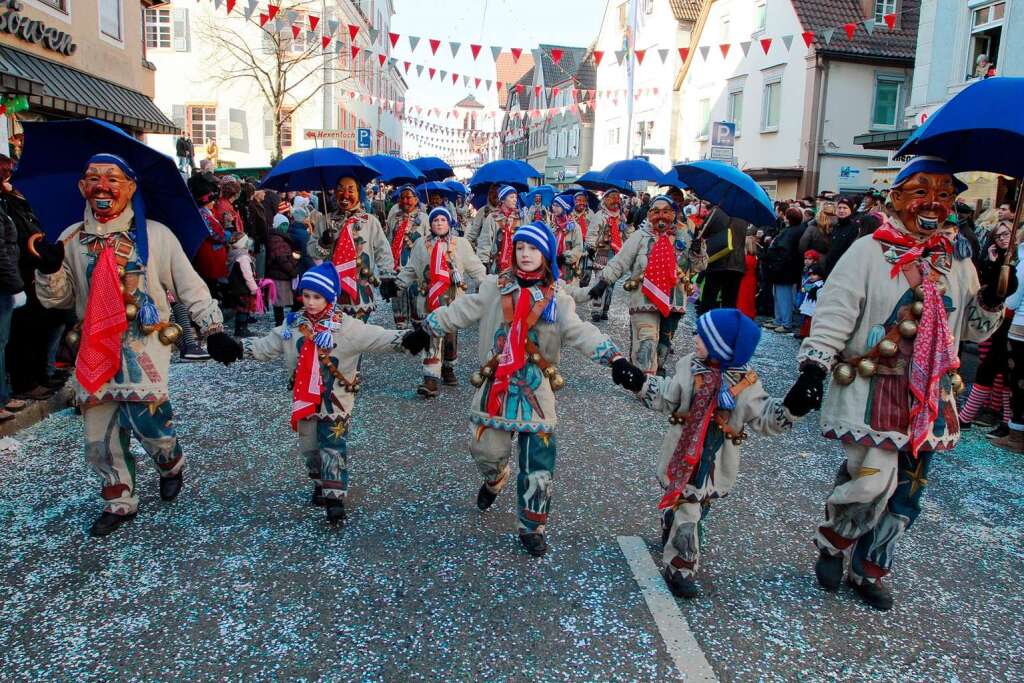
158 28
734 109
202 122
986 35
771 105
286 128
888 94
883 7
110 19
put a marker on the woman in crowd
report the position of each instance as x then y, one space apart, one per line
784 268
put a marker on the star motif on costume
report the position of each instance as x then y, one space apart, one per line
338 430
544 438
916 478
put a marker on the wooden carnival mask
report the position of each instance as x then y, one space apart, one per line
346 193
923 201
107 189
408 201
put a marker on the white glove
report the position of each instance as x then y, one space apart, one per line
20 299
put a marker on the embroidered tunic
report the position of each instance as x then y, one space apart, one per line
461 259
373 256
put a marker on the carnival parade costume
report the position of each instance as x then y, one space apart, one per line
604 240
404 228
494 244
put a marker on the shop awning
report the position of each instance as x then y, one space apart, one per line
14 80
889 140
77 94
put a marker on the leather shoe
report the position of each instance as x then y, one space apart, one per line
484 497
681 586
829 570
534 543
107 523
170 487
335 510
875 593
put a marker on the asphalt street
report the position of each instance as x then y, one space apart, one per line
240 579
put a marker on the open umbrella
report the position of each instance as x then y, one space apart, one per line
670 179
546 192
55 155
732 190
457 187
433 168
317 169
434 187
504 171
979 129
631 170
393 170
595 180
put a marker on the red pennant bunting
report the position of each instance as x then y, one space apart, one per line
352 31
598 54
313 21
272 11
516 53
536 90
684 52
434 44
519 88
325 41
231 5
640 55
724 47
455 77
406 65
393 37
850 29
263 19
556 55
355 51
766 44
296 30
476 82
382 59
475 49
808 38
555 91
431 70
890 21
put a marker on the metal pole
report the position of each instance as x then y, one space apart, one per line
630 73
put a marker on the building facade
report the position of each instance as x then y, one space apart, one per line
205 81
570 131
77 58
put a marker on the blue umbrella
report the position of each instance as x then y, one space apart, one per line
55 156
631 170
595 180
504 171
670 179
546 192
980 129
393 170
592 201
732 190
457 187
434 187
433 168
317 169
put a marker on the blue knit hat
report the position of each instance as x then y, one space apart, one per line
668 200
563 202
926 164
539 235
730 336
323 280
440 211
504 191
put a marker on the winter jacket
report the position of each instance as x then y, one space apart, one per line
493 232
783 260
717 222
10 277
373 256
281 261
416 272
844 234
473 229
257 224
417 228
814 238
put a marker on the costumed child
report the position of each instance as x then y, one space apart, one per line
658 257
242 286
711 400
570 240
524 323
404 227
323 345
477 224
582 215
436 269
494 246
814 280
604 240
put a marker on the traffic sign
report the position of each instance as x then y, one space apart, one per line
723 134
363 136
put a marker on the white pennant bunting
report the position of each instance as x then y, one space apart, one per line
619 54
745 46
787 40
663 54
704 50
495 51
455 47
413 42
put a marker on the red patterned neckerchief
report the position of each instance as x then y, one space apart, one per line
507 228
695 429
440 273
398 239
344 258
936 246
614 232
933 356
581 220
521 317
660 275
99 355
561 231
307 393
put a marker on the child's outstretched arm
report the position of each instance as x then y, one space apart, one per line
267 347
464 312
662 394
765 414
363 337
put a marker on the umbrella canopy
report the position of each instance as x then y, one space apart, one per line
393 170
631 170
545 192
980 129
56 154
732 190
670 179
318 169
595 180
433 168
592 201
435 187
457 187
504 172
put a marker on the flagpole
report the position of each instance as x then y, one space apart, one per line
630 40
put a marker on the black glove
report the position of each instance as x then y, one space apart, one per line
223 348
327 238
988 275
627 375
416 341
591 252
597 291
806 393
388 288
51 256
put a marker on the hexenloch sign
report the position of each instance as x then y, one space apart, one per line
34 31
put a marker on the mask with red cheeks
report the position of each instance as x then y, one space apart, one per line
107 190
346 193
613 201
923 202
581 203
408 201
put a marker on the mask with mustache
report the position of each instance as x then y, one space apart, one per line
107 190
923 202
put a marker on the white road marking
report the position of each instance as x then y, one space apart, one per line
681 645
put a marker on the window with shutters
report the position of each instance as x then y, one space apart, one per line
158 28
110 19
201 122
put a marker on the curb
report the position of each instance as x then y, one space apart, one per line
37 411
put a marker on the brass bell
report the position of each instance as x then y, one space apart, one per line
917 309
476 379
844 374
550 371
375 281
629 285
888 348
170 334
673 420
147 329
908 329
121 272
866 367
557 382
919 292
73 337
534 358
487 371
354 389
957 383
364 272
131 311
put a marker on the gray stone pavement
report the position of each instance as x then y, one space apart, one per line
241 580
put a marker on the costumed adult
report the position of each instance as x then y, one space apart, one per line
604 240
404 227
658 257
494 245
887 326
537 211
116 268
583 216
355 243
436 271
474 228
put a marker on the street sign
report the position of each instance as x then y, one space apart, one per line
363 136
721 153
848 172
723 134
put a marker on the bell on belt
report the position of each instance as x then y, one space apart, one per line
476 379
147 329
487 371
917 309
375 281
550 371
131 311
364 272
957 383
557 382
908 328
170 334
73 337
919 293
534 358
354 388
866 367
888 348
844 374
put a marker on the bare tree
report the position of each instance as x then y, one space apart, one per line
287 71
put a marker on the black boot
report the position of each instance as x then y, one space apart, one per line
335 510
874 593
242 327
318 499
107 523
428 388
448 376
278 316
534 543
170 487
484 497
681 586
188 345
829 570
